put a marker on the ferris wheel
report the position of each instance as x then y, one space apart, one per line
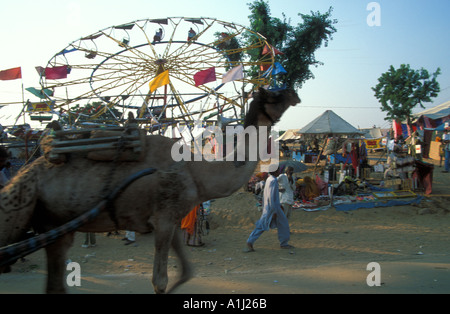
112 70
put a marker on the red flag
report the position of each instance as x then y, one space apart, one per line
205 76
56 72
268 49
264 67
11 74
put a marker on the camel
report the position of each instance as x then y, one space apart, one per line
46 195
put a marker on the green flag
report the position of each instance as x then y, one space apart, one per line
40 93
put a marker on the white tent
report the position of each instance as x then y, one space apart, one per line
289 135
329 123
372 132
437 112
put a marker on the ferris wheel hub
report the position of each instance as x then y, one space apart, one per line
160 61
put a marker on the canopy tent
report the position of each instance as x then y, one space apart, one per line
437 112
432 117
289 135
430 120
329 123
330 126
372 132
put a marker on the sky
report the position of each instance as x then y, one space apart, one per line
414 32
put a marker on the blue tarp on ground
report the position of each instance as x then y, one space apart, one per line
380 203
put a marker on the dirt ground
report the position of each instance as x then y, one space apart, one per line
331 254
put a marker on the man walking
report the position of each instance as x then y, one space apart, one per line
272 215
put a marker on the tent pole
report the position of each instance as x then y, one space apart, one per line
320 154
334 172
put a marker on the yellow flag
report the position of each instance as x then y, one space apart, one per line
161 80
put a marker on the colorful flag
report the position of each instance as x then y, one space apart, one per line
264 67
40 93
236 73
275 69
40 70
205 76
268 49
56 73
11 74
160 80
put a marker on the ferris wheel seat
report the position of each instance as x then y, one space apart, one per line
124 43
91 54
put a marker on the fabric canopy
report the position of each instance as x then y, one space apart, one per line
329 123
289 135
437 112
372 132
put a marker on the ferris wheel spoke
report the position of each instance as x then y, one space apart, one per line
197 56
113 84
175 25
139 54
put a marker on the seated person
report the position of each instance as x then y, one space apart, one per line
158 36
308 189
347 187
191 34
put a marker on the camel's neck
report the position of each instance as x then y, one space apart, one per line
222 178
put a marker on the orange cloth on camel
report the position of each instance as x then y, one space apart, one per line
189 221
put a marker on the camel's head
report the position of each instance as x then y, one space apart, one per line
267 106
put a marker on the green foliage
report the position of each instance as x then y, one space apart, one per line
316 30
400 90
297 43
275 30
227 42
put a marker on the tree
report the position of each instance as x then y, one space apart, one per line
400 90
297 43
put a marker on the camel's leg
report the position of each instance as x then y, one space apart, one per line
186 270
164 232
56 266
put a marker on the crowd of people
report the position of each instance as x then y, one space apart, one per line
304 189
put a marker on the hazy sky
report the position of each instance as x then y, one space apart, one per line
414 32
